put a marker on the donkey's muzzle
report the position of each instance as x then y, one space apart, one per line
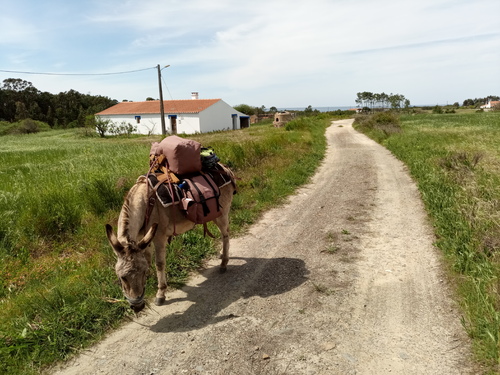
138 306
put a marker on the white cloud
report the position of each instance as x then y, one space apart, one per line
260 52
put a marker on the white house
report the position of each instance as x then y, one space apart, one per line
190 115
490 105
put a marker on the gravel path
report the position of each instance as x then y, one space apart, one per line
343 279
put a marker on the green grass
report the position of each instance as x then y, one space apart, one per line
455 160
58 290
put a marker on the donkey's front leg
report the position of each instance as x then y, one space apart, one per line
160 254
223 223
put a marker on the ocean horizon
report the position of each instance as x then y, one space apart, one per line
345 108
321 109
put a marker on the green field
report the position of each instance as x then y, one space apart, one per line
58 290
455 160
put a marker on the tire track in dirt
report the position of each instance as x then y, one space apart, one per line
343 279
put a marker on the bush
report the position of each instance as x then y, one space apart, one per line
101 125
437 110
26 126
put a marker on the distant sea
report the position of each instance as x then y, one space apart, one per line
344 108
321 109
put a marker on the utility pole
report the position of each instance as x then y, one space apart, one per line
162 110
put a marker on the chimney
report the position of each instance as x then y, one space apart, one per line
194 95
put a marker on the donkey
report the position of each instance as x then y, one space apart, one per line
134 240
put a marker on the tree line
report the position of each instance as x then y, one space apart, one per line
251 110
368 101
258 111
20 100
477 102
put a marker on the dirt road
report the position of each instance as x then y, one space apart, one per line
342 280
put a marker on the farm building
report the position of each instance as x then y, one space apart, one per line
282 117
190 116
490 105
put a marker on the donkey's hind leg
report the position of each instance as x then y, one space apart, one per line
223 223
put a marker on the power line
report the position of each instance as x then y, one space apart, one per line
163 80
76 74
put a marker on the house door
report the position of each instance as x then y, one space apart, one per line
235 121
173 123
244 122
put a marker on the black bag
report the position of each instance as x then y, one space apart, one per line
208 158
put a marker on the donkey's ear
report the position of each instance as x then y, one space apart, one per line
113 241
148 237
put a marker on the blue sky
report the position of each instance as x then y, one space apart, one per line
272 53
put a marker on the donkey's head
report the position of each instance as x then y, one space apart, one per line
132 266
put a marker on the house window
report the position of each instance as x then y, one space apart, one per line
138 119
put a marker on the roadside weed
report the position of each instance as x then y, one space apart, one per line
331 249
320 288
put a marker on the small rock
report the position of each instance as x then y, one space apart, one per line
257 348
404 356
328 346
265 356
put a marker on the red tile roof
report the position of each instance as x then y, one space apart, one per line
153 106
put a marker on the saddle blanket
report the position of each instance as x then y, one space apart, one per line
165 190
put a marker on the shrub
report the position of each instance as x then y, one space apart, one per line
26 126
437 110
102 126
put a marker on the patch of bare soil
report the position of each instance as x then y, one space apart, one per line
343 279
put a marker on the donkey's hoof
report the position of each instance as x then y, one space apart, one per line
159 301
222 269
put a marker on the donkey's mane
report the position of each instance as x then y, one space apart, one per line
132 212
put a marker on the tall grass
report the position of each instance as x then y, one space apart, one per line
455 162
58 291
380 125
